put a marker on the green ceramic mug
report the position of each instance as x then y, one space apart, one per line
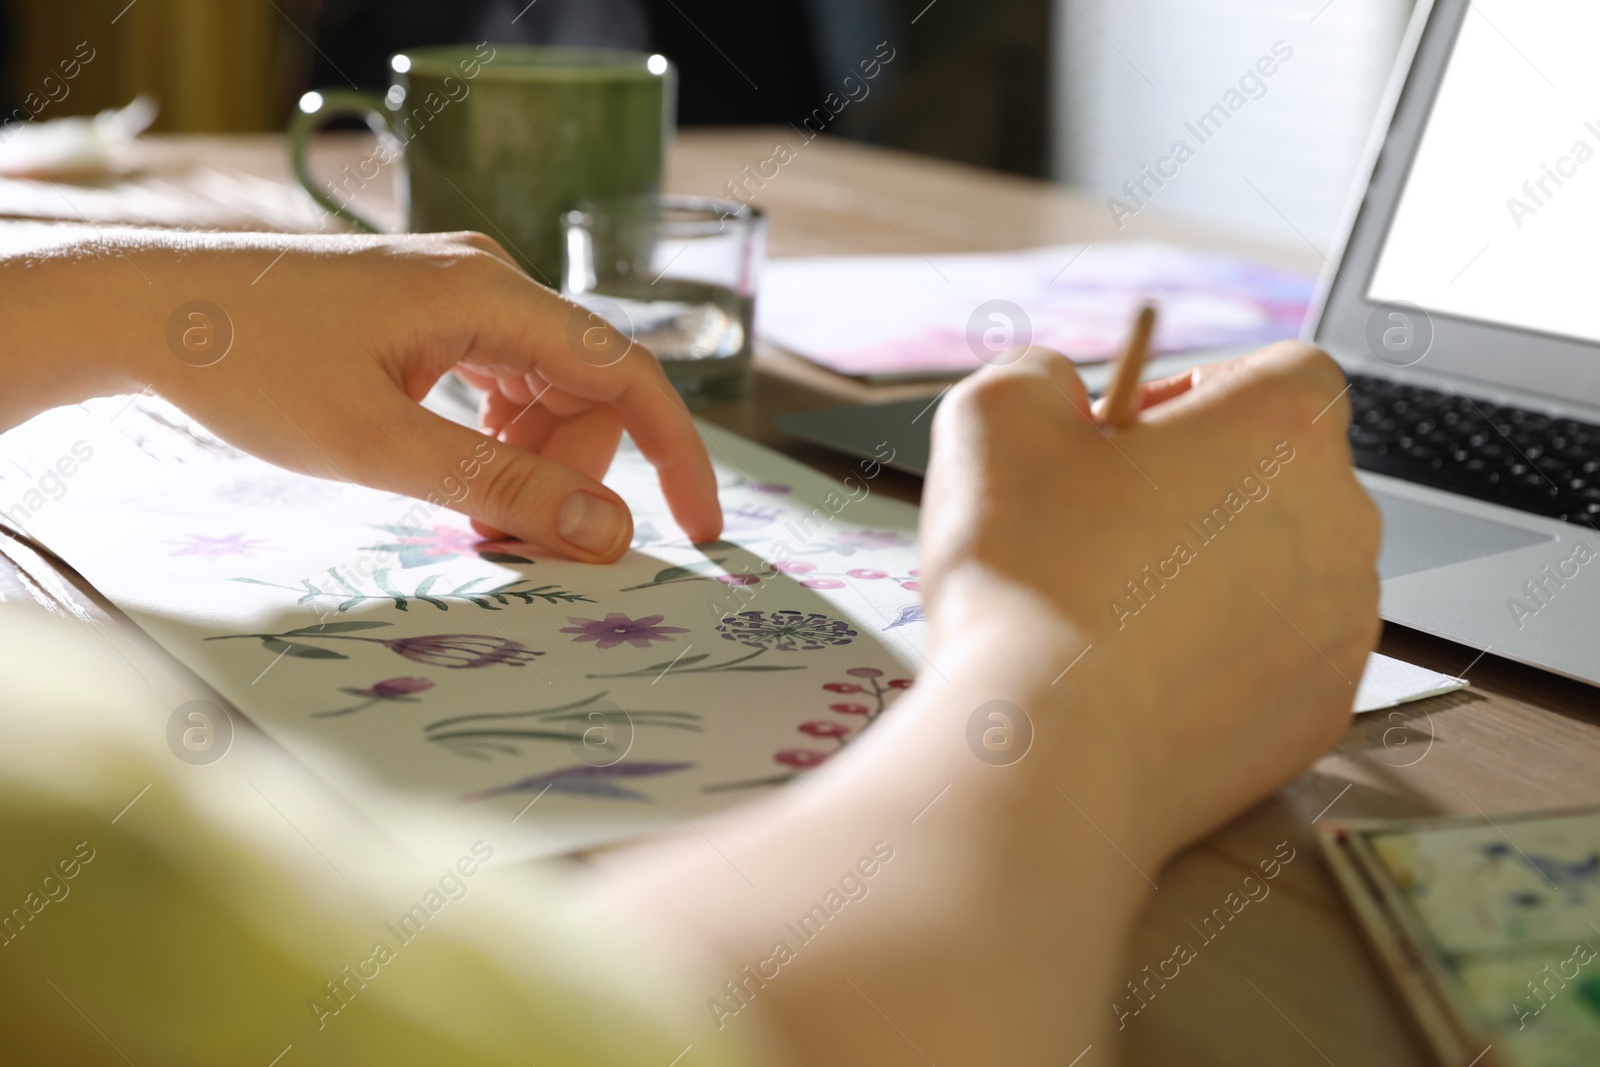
502 139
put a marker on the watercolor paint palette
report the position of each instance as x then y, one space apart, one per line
1490 928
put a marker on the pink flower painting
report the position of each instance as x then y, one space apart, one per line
871 684
416 546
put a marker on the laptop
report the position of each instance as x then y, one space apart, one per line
1463 302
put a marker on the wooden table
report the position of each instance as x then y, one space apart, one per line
1289 981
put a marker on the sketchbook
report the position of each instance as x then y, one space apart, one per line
450 685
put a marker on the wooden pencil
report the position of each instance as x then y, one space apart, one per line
1119 395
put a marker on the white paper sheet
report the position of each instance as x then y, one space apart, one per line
1389 682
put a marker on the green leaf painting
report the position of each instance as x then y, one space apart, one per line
427 590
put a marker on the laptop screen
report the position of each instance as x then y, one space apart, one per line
1499 218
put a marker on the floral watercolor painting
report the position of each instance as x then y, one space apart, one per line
417 547
429 590
812 577
595 726
744 518
699 570
272 488
586 781
786 630
617 629
455 651
450 684
909 614
390 690
849 542
753 572
783 631
236 544
867 695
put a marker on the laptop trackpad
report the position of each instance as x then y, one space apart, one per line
1418 537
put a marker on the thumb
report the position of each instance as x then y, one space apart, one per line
535 499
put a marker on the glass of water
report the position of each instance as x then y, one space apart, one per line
676 274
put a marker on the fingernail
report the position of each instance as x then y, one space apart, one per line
592 524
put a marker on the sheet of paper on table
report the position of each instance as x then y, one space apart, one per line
905 317
449 685
1389 682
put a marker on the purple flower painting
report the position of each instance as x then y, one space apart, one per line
230 545
786 630
582 780
616 629
909 614
390 690
462 651
452 651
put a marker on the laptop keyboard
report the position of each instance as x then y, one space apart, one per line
1523 459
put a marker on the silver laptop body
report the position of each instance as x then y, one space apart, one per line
1410 306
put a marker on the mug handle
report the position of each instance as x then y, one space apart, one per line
333 103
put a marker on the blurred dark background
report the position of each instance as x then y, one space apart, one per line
970 79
